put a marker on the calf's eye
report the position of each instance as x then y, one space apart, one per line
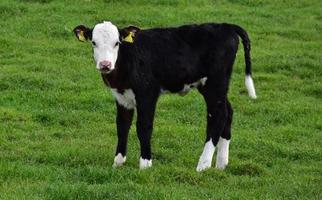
116 44
94 44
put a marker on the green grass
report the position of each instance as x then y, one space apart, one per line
57 131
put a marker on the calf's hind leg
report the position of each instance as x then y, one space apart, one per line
224 140
215 95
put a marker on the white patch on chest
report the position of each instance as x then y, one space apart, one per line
127 99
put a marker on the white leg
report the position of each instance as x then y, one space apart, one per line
222 153
145 163
206 156
119 160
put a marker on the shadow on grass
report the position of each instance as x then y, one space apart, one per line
247 169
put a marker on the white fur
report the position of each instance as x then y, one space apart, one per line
127 99
163 91
222 153
119 160
105 36
206 156
185 90
250 86
145 163
203 81
188 87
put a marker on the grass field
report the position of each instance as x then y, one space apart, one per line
57 131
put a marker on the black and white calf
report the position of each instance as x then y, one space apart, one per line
139 65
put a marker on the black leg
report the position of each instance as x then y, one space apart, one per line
216 119
123 123
144 126
227 129
224 140
215 95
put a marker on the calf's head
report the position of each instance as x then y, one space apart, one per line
106 39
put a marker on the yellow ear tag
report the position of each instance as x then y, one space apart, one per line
129 38
81 36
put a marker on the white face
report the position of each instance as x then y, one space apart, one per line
105 40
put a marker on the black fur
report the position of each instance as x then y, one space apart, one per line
87 31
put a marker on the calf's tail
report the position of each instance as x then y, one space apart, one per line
248 70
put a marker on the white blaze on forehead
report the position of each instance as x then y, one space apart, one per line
106 32
105 35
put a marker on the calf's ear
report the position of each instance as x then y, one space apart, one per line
128 34
83 33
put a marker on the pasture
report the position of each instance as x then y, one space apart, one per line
57 130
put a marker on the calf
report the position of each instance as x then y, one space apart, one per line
139 65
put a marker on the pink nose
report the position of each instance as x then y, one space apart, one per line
106 65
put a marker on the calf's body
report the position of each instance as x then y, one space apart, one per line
154 61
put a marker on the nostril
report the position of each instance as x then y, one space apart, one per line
105 64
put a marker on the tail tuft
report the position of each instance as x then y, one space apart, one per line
248 70
250 86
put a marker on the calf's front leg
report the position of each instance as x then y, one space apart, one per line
144 127
123 123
